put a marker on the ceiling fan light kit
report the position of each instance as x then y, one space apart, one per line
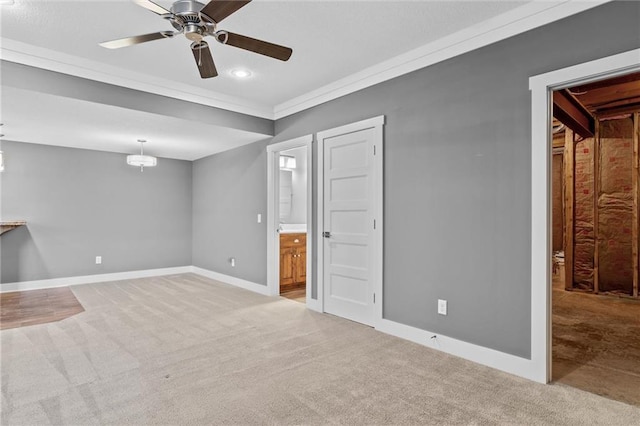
196 21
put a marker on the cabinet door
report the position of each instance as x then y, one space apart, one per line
300 266
286 266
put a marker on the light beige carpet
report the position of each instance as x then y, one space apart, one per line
188 350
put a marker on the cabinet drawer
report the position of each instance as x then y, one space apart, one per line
293 240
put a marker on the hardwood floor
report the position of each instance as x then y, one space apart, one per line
297 293
23 308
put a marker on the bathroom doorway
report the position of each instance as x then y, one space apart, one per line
289 219
292 224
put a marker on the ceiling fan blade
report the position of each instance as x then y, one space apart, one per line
220 9
130 41
148 4
204 60
255 45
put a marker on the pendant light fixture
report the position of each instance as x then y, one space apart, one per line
142 160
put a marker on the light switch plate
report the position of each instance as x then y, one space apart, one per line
98 260
442 307
259 218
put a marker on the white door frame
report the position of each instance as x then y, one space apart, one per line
541 87
376 123
273 212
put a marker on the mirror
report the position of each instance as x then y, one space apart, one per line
286 195
293 186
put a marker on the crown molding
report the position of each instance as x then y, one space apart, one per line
39 57
519 20
509 24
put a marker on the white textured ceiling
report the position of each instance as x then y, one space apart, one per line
331 40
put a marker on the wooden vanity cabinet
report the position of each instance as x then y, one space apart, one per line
293 260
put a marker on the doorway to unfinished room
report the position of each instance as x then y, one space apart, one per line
593 309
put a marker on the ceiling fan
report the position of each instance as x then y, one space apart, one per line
196 21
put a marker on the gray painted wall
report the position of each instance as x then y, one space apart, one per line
457 175
229 190
80 204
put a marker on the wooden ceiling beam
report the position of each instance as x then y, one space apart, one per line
612 112
628 78
571 112
607 94
615 104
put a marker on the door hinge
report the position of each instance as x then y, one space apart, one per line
374 224
374 150
374 298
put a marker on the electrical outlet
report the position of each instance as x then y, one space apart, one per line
442 307
233 262
98 260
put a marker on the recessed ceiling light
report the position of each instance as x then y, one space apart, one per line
241 73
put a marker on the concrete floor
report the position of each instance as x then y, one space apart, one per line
596 343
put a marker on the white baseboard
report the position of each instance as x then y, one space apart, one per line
88 279
491 358
499 360
228 279
118 276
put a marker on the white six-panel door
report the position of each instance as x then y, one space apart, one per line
348 215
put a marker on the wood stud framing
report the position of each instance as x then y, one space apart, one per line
636 203
569 205
569 167
579 109
596 196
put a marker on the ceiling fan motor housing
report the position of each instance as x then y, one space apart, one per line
187 18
